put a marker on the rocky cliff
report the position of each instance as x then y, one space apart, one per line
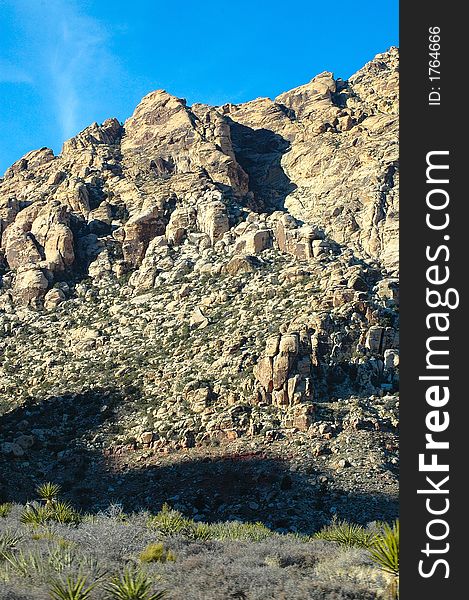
209 273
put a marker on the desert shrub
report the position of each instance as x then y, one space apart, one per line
156 553
170 522
5 509
349 535
385 549
8 542
235 530
202 532
24 565
133 585
60 512
33 563
34 515
115 511
63 512
72 588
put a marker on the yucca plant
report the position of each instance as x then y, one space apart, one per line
26 564
5 509
72 588
201 532
133 585
60 512
61 558
63 512
349 535
253 532
48 492
34 515
385 549
8 542
171 522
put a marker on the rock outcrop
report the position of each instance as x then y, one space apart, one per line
227 268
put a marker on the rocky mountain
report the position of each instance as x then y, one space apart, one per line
208 277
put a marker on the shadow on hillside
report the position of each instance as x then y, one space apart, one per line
259 152
248 487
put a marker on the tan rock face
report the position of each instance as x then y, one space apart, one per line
139 231
341 162
308 173
53 298
170 139
30 285
284 370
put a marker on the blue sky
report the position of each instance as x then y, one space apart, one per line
67 63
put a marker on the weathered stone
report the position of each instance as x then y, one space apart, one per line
146 438
263 372
281 366
241 264
139 231
53 298
183 220
303 417
374 338
198 319
289 344
343 296
199 399
391 359
272 345
212 219
388 289
254 242
30 285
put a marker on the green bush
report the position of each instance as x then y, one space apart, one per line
63 512
26 564
157 553
34 515
202 532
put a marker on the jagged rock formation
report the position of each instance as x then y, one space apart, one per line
221 270
325 153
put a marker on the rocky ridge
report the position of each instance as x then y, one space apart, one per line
207 275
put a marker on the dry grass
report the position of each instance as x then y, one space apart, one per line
221 561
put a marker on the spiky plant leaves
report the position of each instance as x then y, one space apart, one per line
60 512
63 512
34 515
385 549
5 509
133 585
72 588
349 535
48 491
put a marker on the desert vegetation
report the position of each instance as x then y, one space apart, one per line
47 554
